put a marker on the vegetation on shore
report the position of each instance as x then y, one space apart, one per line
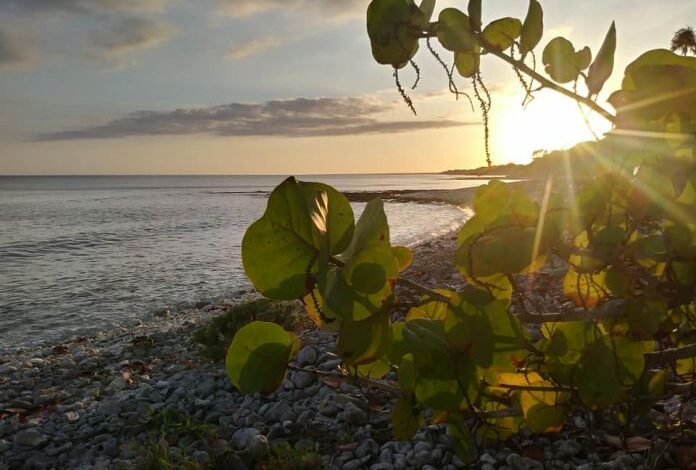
625 229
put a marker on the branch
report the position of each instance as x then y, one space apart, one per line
535 388
570 316
421 289
545 82
554 86
393 389
669 355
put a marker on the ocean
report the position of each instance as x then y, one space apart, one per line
79 254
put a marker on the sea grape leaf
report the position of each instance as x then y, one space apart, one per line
364 285
404 257
644 318
603 65
502 33
393 27
365 341
467 62
585 289
405 418
427 7
458 430
279 249
258 356
609 366
560 61
375 370
532 28
474 10
432 310
454 31
407 373
583 57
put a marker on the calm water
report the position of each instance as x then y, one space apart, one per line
86 253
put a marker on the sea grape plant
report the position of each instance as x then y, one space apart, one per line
627 236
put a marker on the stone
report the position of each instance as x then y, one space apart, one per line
72 416
306 356
242 437
354 464
567 448
366 448
4 446
201 457
258 447
351 414
302 379
328 407
386 456
30 438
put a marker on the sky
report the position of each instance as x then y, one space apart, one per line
274 87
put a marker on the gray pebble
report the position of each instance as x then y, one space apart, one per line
30 438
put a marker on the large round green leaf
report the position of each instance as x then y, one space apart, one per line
467 63
258 357
454 31
532 28
474 10
560 61
502 33
365 341
393 27
281 248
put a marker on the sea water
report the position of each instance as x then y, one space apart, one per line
81 254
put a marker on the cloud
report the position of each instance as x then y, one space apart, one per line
243 50
76 6
126 35
315 7
298 117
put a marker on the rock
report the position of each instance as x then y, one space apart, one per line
110 408
258 447
567 448
328 407
30 438
382 466
302 379
242 437
386 456
354 464
366 448
72 416
306 356
351 414
201 457
488 458
4 446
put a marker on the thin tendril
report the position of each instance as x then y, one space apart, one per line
583 114
417 70
525 86
402 92
452 85
485 108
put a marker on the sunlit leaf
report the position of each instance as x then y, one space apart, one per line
603 65
454 31
467 63
501 34
560 61
532 28
365 341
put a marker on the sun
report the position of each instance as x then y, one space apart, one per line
549 122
